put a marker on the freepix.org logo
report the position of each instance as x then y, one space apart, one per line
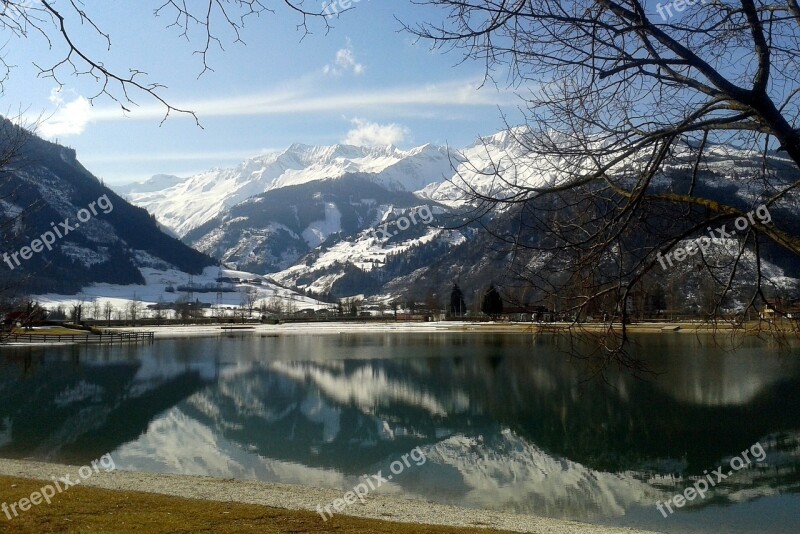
334 7
703 244
703 483
371 482
665 10
47 493
403 223
59 231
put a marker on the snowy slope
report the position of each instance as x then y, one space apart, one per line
434 172
272 231
477 167
192 202
154 290
324 269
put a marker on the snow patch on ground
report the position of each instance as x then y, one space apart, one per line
158 280
318 231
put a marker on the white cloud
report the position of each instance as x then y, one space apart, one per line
70 118
169 157
368 133
55 96
411 100
429 100
345 62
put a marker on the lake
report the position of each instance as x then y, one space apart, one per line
506 421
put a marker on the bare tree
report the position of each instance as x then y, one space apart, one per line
183 307
134 308
627 106
276 305
76 314
108 311
66 28
249 299
160 307
97 311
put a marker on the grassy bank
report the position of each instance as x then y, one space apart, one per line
86 509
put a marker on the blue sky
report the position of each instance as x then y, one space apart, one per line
363 82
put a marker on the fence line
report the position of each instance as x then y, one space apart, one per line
115 337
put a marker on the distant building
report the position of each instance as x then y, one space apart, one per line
527 314
789 309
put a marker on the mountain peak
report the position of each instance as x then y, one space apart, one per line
204 196
510 139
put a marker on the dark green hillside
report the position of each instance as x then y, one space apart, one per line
45 183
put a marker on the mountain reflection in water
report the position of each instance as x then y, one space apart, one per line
507 421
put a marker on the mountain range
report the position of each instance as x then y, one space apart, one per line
310 216
431 172
335 221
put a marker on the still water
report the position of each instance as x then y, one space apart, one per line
507 422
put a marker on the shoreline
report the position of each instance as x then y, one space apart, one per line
344 327
751 329
304 498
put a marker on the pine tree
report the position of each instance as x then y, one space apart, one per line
492 303
457 305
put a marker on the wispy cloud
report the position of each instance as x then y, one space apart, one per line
304 98
368 133
159 157
299 101
345 62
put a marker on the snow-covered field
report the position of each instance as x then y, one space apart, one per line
157 282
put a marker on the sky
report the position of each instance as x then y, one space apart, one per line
362 82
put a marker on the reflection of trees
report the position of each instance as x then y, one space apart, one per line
633 426
621 426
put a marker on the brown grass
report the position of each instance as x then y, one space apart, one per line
55 331
85 510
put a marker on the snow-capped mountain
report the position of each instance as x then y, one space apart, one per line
273 231
194 201
313 211
311 216
433 172
155 183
